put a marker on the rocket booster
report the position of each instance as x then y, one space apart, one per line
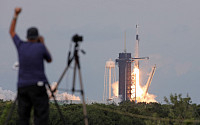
137 48
136 55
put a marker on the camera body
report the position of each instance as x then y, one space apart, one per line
76 38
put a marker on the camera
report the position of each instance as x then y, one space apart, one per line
76 38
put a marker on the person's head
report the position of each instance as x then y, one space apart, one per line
32 34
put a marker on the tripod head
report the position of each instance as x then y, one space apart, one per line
77 39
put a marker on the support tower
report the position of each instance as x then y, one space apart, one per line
109 78
124 64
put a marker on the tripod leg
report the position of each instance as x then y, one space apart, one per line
56 103
83 99
74 78
11 111
61 77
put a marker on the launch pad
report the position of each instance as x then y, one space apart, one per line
128 87
129 81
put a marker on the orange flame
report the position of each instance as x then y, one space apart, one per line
140 91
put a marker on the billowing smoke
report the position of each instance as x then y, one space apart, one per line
7 95
66 96
117 100
62 96
149 98
115 88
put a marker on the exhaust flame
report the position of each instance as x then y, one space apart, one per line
141 96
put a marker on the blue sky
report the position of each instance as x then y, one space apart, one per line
169 35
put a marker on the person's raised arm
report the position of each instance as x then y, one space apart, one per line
14 20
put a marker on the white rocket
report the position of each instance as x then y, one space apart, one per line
137 47
136 55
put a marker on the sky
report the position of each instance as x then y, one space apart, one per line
169 35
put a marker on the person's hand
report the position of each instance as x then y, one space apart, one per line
17 11
41 39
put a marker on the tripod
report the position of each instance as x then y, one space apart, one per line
75 57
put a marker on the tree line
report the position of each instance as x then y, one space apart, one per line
176 111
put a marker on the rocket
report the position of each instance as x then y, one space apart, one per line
137 47
136 56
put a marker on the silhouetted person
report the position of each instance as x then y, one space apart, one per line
31 76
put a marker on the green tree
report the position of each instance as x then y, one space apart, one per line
180 108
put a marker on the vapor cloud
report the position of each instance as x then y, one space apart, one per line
7 95
66 96
115 88
62 96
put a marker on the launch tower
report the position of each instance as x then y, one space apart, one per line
124 64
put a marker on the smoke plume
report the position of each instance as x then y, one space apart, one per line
62 96
115 89
66 96
7 95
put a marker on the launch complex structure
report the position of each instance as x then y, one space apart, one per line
128 85
127 80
